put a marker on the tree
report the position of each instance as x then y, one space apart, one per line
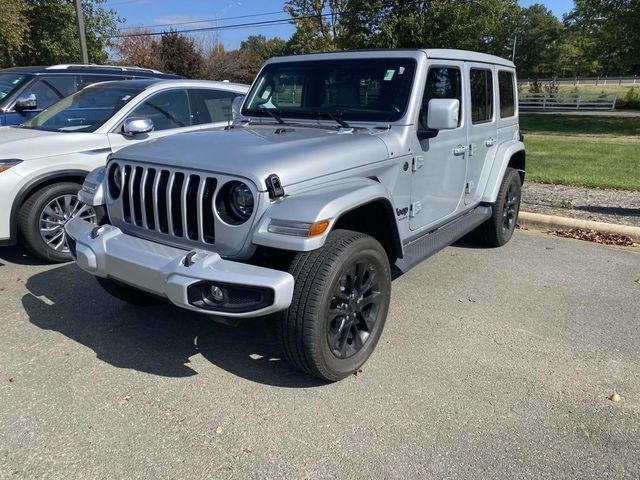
180 55
318 24
14 29
538 42
52 35
139 49
257 49
614 31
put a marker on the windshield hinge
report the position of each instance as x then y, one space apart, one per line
274 186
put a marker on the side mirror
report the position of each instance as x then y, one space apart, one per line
133 126
443 113
28 101
237 105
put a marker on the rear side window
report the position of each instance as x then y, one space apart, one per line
507 97
167 110
481 95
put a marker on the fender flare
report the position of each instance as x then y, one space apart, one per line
500 164
327 201
27 189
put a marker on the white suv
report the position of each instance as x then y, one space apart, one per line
44 161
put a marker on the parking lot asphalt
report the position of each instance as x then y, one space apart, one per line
494 363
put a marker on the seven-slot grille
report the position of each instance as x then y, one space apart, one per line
178 204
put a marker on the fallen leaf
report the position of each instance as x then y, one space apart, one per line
615 397
1 289
547 286
520 227
11 380
127 398
18 279
594 236
454 254
247 450
637 280
357 372
218 429
471 300
460 300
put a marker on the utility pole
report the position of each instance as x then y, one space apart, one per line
513 52
84 55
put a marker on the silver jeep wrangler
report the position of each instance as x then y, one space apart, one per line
340 170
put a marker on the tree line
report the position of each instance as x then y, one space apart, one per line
594 38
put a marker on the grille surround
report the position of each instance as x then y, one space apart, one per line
176 206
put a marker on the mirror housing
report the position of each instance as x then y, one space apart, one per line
133 126
236 106
26 102
443 114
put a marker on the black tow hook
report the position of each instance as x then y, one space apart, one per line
188 259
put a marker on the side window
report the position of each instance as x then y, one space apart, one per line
442 82
210 106
507 97
481 95
166 110
49 89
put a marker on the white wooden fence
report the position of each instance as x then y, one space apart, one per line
567 101
576 81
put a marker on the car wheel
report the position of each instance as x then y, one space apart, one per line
339 307
499 229
130 295
44 214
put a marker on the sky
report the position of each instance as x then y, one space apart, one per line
162 12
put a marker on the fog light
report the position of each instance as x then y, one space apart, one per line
217 295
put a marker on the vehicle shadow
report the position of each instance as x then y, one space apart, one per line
19 256
621 211
158 340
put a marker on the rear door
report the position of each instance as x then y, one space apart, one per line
481 127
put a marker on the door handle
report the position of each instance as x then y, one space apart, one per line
490 142
460 150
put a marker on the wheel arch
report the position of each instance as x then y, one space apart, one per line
34 185
509 154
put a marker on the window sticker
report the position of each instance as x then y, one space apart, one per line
400 70
389 75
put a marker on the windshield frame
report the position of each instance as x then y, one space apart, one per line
68 103
350 115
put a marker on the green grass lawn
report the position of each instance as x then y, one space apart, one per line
601 152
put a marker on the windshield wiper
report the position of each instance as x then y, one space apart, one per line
337 119
275 116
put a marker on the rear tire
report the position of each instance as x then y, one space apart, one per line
130 295
339 307
499 229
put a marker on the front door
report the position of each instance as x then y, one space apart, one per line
440 163
482 129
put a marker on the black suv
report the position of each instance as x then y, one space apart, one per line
26 91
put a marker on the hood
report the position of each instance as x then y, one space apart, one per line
295 155
25 143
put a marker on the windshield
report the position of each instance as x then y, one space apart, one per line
361 89
86 110
9 82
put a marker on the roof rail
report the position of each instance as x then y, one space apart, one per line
66 66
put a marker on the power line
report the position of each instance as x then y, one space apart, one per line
203 21
280 21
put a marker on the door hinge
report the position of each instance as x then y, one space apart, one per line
469 187
417 163
416 208
472 148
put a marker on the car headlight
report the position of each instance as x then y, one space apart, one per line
7 164
114 180
235 203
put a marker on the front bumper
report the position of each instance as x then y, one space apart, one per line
161 269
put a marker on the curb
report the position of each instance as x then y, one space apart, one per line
552 222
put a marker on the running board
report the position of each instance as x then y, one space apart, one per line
435 240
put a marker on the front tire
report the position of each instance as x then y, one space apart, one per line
499 229
339 307
42 218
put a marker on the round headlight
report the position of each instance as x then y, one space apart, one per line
115 180
235 203
241 201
